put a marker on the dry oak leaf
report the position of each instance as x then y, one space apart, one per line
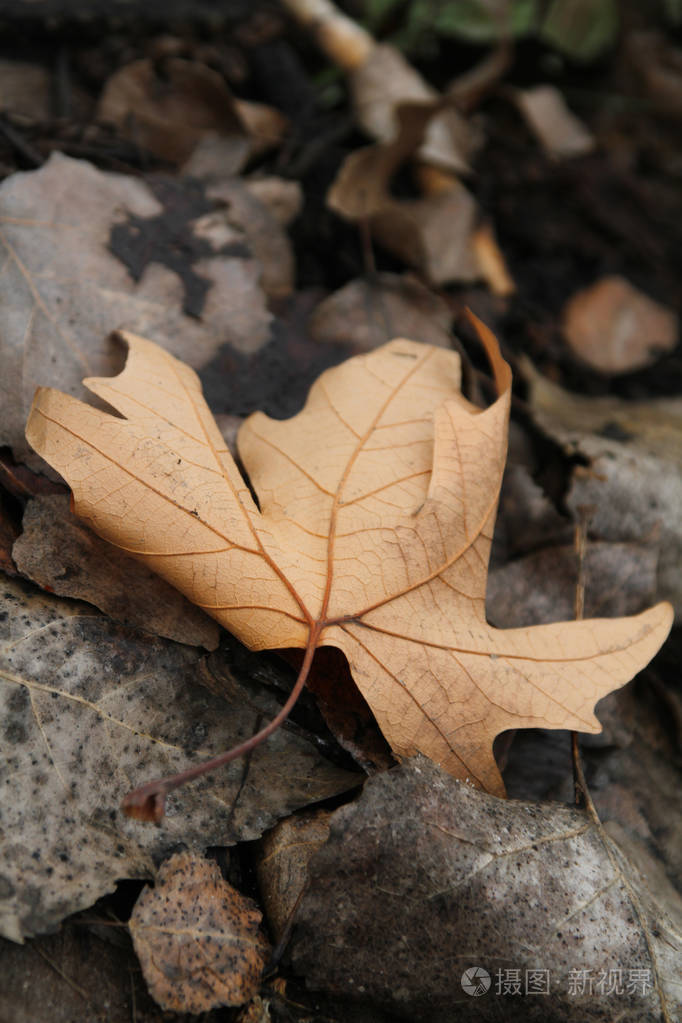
372 534
197 938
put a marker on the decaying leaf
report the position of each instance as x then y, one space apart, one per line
381 80
63 291
89 708
382 83
432 233
615 328
372 535
169 113
438 879
367 312
633 484
620 579
58 553
197 938
559 131
282 863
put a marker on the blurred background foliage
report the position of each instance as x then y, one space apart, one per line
582 30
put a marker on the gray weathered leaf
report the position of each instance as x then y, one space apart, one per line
90 710
63 291
634 484
59 553
423 878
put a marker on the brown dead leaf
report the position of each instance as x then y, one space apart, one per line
372 534
381 80
169 108
432 233
63 290
367 312
282 864
59 553
615 328
385 81
559 131
197 938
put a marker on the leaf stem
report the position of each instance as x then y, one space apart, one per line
148 802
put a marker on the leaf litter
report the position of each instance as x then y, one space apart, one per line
63 290
632 482
626 796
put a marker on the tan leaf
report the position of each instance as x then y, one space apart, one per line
372 534
197 938
561 134
432 233
616 328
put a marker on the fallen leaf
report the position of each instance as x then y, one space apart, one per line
63 291
561 134
283 198
437 878
366 312
372 534
491 262
633 484
63 556
282 861
431 233
527 519
89 708
197 938
615 328
385 81
169 108
263 233
380 80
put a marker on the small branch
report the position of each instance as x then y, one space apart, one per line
582 793
148 802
